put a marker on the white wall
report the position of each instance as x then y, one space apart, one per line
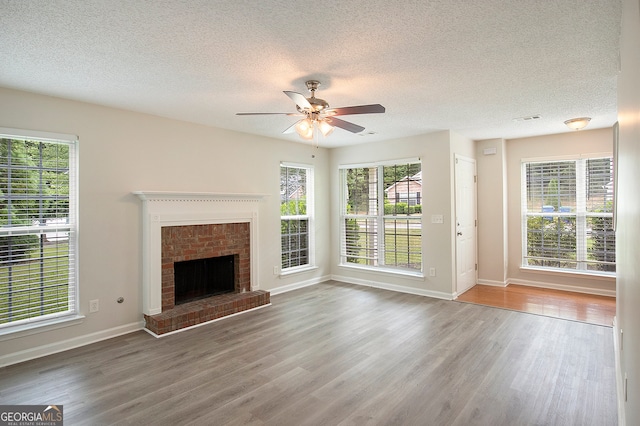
122 151
437 152
628 215
573 143
492 213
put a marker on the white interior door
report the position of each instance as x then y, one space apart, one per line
466 252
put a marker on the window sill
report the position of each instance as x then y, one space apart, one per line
388 271
35 327
573 273
298 270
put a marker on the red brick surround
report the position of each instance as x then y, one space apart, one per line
194 242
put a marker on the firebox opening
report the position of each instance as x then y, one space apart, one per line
201 278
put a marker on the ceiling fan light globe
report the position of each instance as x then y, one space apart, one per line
325 128
303 126
308 135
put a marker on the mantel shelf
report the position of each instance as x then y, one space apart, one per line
173 195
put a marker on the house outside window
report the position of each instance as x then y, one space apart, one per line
38 228
567 221
408 190
296 217
381 216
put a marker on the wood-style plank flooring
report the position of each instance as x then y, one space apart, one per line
337 354
569 305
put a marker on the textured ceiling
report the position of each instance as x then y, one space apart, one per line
469 66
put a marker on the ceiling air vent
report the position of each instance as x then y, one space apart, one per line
528 118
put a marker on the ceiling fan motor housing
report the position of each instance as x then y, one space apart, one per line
317 105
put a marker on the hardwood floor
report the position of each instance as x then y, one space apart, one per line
555 303
337 354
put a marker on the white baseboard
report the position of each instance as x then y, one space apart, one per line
492 283
619 375
298 285
393 287
564 287
53 348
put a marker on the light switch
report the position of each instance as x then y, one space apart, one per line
437 218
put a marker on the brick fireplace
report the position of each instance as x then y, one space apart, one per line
180 227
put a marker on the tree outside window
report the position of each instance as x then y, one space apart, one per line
382 216
37 278
295 216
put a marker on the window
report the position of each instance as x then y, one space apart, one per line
296 214
37 229
381 216
568 220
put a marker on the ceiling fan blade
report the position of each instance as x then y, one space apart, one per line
353 128
360 109
292 128
268 113
299 99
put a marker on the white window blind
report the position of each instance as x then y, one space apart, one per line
382 216
37 228
296 213
567 221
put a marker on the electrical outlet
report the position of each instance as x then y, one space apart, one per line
432 272
94 305
275 270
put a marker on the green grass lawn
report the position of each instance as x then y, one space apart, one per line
37 286
401 250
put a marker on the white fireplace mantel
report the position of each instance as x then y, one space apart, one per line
165 208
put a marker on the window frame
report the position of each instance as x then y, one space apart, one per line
581 215
72 315
379 218
309 217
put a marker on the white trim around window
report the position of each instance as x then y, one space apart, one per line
297 228
377 232
39 230
567 213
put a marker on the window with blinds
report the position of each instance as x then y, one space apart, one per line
381 216
296 208
37 230
568 215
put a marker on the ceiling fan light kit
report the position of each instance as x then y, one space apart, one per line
318 115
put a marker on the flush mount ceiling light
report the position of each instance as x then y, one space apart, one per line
318 116
578 123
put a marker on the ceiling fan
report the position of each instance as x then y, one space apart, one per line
317 114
